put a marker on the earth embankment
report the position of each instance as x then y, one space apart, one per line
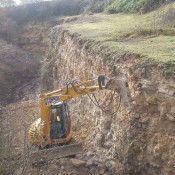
16 66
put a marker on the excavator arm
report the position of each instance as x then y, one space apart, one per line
69 91
39 133
74 89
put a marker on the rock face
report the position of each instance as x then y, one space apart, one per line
142 141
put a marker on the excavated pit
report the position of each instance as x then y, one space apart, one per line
138 142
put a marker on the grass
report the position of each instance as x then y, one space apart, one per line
153 42
158 48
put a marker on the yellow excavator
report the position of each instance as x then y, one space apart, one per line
52 133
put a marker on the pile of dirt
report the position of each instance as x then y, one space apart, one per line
16 66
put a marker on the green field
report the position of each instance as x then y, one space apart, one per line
141 34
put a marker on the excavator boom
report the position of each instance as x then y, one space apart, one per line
52 132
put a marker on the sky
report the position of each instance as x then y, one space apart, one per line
18 1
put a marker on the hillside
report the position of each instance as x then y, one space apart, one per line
149 35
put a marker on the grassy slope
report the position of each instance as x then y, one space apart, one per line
108 28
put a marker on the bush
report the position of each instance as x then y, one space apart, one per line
34 11
44 10
135 6
97 6
111 9
168 69
67 7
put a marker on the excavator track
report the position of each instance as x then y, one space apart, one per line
56 152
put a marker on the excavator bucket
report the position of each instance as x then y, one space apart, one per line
45 155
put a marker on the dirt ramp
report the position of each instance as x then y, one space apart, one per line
16 66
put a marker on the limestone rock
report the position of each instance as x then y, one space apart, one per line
89 163
77 162
19 171
101 172
171 117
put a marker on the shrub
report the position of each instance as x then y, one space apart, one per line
168 69
135 6
67 7
97 6
44 9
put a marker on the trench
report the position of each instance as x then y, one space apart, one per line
26 90
18 115
137 143
131 143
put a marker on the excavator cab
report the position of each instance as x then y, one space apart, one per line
60 122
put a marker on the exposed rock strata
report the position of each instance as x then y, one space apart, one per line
142 141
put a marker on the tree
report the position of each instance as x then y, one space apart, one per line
66 7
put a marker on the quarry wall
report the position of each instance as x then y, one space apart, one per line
141 140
